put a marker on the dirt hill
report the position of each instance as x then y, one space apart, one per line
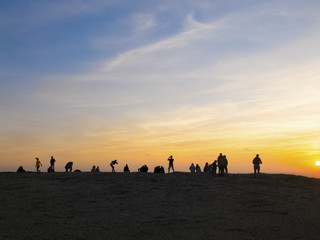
158 206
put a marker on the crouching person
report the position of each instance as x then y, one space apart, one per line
68 166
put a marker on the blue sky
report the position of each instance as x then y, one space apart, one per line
115 73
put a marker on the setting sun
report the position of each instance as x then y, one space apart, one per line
318 163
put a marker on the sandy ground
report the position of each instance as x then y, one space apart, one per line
158 206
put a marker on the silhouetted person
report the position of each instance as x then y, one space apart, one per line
112 165
52 161
214 167
93 169
170 159
225 162
38 164
198 169
68 166
220 164
126 169
158 169
144 168
256 165
97 169
20 169
206 168
192 168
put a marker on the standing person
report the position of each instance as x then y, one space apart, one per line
52 161
38 164
256 165
225 163
198 169
206 167
170 159
192 168
112 165
220 164
214 167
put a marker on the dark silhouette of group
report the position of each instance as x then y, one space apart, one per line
158 169
221 164
95 169
144 168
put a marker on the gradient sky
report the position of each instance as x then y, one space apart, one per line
137 81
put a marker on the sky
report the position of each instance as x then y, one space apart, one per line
138 81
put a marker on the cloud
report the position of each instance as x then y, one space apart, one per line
143 22
204 59
173 51
190 23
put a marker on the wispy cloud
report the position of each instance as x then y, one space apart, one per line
143 21
191 62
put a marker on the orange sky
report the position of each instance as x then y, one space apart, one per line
291 154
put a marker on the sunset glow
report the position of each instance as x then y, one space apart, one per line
91 82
